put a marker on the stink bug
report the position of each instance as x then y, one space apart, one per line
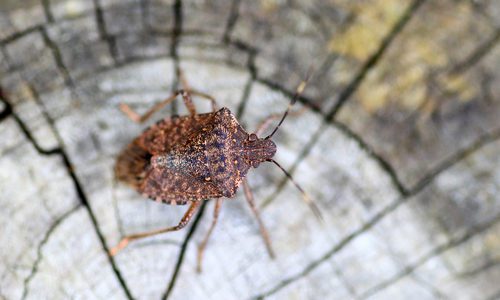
187 159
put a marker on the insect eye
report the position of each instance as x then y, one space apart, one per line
252 137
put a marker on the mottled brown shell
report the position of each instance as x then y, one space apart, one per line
191 158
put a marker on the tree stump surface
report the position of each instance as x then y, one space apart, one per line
399 146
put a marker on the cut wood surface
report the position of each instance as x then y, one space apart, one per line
399 145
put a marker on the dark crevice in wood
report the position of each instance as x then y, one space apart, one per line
231 21
99 18
436 293
58 59
374 59
143 5
483 140
249 50
176 36
454 242
39 256
19 34
244 99
383 163
47 11
241 45
7 111
339 246
85 202
306 101
248 86
476 56
182 253
486 140
490 263
103 33
177 30
26 132
113 48
326 64
79 190
349 90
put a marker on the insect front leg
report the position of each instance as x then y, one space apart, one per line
201 247
263 230
188 102
184 221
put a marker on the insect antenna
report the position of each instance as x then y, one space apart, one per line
297 94
315 209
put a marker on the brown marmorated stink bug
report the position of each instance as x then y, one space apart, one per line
188 159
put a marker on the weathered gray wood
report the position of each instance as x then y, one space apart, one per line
398 145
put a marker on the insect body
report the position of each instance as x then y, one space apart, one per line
188 159
192 158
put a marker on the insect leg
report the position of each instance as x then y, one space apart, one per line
186 87
186 94
201 247
140 119
184 221
206 96
263 230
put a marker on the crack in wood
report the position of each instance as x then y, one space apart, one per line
478 54
483 140
454 242
383 163
79 190
339 246
489 264
103 33
182 252
84 200
24 129
47 11
7 111
19 34
347 93
143 5
436 293
45 239
248 86
177 30
243 103
59 60
374 58
231 20
306 101
488 139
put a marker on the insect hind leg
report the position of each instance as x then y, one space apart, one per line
203 244
263 230
183 222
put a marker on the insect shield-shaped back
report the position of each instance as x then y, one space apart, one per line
231 151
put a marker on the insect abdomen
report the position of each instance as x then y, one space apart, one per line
132 164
